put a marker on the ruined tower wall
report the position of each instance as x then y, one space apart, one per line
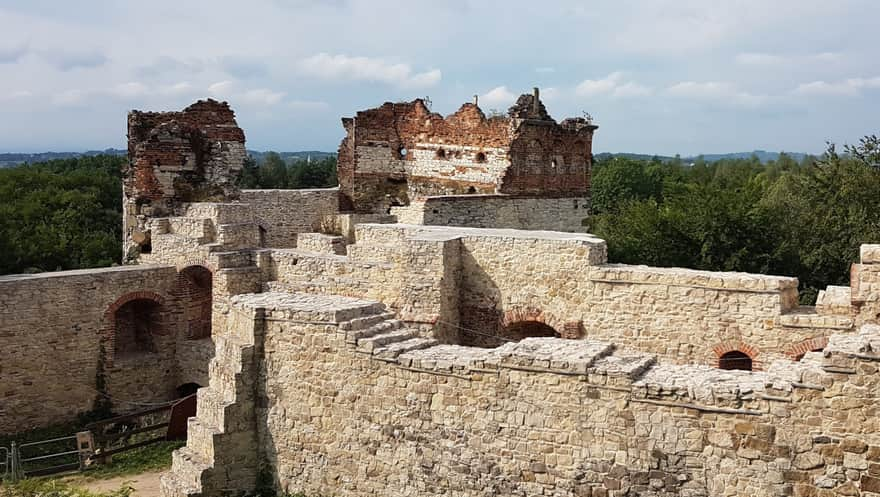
176 157
400 153
53 327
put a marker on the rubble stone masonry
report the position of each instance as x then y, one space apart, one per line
401 152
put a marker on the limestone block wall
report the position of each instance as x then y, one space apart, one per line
497 211
52 327
492 279
865 284
541 417
283 213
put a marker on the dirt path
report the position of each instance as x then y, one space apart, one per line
144 484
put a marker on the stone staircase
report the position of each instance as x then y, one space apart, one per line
221 456
223 235
223 434
383 337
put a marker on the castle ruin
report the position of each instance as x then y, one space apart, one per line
439 324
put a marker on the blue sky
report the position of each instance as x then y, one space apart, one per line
658 76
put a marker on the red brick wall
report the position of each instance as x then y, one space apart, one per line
547 158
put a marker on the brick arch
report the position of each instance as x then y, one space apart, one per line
194 291
724 347
796 351
197 262
108 333
520 314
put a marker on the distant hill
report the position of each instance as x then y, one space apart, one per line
16 158
13 159
291 156
762 155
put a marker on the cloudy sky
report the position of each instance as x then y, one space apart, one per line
658 76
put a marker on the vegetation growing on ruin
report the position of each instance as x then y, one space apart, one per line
804 219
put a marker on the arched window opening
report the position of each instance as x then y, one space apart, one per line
481 157
187 389
440 154
401 153
137 321
195 284
471 189
735 360
527 329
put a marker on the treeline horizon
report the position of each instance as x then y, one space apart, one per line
804 218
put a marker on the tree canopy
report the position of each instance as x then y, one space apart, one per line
802 219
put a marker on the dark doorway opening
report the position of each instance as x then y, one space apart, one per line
187 389
735 360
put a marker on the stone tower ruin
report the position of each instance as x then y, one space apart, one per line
174 158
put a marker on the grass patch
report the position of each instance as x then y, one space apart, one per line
43 487
154 457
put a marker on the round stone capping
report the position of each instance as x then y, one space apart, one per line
308 307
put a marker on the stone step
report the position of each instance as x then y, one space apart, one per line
210 407
393 350
239 235
221 213
185 477
200 439
353 336
196 228
366 322
320 243
234 259
172 486
374 342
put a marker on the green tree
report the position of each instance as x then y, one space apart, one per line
250 174
273 171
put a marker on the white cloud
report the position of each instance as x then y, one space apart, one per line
305 105
545 69
10 53
221 88
66 60
722 92
132 89
181 88
850 88
16 95
632 89
263 96
593 87
550 93
499 96
768 59
69 97
758 59
613 85
343 67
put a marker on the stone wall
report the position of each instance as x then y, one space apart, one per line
281 214
497 211
318 414
490 280
53 327
177 157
